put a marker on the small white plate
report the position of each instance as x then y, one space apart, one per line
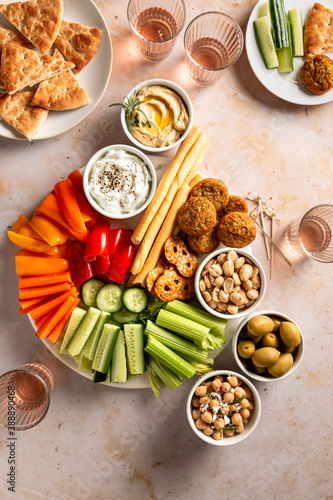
287 86
93 78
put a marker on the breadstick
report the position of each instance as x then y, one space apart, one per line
164 185
168 225
188 168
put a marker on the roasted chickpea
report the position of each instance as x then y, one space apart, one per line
214 404
245 412
225 387
219 423
201 390
240 428
229 397
204 400
251 405
200 424
224 409
232 408
233 381
239 392
237 419
228 433
217 434
245 403
209 386
208 431
195 402
207 417
216 384
196 414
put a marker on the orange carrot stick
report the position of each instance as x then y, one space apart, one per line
57 330
44 280
43 319
45 330
44 291
26 303
48 305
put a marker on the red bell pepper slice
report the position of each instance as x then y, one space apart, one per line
116 236
101 265
98 242
123 259
80 270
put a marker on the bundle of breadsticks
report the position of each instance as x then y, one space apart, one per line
159 221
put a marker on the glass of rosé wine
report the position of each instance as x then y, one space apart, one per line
25 396
155 25
312 234
213 42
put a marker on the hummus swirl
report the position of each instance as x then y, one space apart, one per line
166 113
120 182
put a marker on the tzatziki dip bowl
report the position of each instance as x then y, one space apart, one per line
119 181
165 119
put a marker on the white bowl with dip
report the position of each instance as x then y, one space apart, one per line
119 181
158 110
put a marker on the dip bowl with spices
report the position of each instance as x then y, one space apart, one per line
119 181
223 408
163 118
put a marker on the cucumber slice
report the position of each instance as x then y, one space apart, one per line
134 348
118 364
105 348
124 316
297 36
83 332
135 300
264 11
85 364
74 321
266 43
279 23
90 290
99 377
285 56
91 345
109 298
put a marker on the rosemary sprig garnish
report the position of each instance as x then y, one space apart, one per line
132 104
234 403
229 429
209 396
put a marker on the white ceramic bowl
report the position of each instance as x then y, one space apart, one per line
246 310
248 428
176 88
91 164
298 353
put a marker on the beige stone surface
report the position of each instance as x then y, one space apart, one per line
99 442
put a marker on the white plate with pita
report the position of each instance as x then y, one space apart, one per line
93 78
287 86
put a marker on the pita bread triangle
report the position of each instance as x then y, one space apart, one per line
318 31
11 36
23 67
38 20
78 43
62 92
17 111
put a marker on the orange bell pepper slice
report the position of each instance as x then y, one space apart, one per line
31 233
66 197
50 208
77 180
28 243
27 265
86 210
48 230
21 222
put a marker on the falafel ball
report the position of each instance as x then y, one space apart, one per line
317 74
235 204
204 243
236 229
214 190
197 216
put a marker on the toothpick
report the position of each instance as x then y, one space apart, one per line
272 247
256 197
274 244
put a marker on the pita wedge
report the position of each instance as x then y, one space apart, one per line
23 67
38 20
11 36
78 43
318 32
62 92
17 111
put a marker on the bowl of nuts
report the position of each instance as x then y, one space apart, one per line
223 408
230 283
268 346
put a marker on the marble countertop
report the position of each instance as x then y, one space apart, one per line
102 442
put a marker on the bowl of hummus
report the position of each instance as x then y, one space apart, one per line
165 118
119 181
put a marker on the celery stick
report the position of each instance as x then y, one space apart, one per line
183 326
197 314
155 383
169 378
175 342
169 358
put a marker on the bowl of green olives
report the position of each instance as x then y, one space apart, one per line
268 346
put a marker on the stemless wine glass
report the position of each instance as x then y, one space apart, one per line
213 42
25 396
155 25
312 234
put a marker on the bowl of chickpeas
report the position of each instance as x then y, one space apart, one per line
268 346
223 408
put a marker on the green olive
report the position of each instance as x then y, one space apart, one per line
282 366
290 334
259 370
260 325
255 339
277 323
245 349
285 348
265 356
270 340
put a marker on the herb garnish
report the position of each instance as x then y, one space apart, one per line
209 396
234 403
132 104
